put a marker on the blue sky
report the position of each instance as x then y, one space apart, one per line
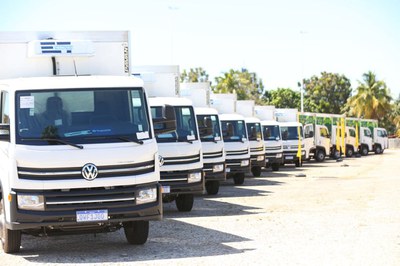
282 41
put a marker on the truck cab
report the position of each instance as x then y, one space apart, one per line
380 140
78 152
293 143
236 146
257 147
212 147
273 144
318 141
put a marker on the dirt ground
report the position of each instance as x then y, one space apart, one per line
331 213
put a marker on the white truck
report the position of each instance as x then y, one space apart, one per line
335 126
254 131
294 149
272 136
181 172
78 152
358 137
210 133
379 135
234 131
316 135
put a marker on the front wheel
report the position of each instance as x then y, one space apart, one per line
378 149
275 167
349 152
212 187
364 150
238 179
256 171
184 202
320 156
136 232
10 239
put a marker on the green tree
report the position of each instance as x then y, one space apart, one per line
197 74
282 98
327 93
372 99
245 84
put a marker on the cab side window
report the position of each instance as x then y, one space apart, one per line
5 110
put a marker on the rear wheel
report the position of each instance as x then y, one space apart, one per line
184 202
256 171
10 239
238 178
212 187
275 167
136 232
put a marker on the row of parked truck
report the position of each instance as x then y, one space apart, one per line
91 144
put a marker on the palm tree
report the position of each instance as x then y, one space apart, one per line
372 100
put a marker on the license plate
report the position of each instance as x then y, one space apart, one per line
92 215
289 157
267 160
166 189
228 170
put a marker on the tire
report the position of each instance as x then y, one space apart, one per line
336 154
256 171
212 187
349 152
184 202
275 167
238 179
378 149
320 156
10 239
364 150
136 232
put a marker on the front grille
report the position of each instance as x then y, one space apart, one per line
240 152
274 148
182 160
257 149
211 155
89 198
75 172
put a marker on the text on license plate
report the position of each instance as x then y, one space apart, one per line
91 215
166 189
289 157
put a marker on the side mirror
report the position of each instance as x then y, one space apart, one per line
311 134
277 138
166 123
4 132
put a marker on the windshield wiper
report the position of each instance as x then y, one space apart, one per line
126 139
56 140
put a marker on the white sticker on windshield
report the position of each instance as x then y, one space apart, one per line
191 137
140 127
31 112
58 122
185 111
142 135
26 102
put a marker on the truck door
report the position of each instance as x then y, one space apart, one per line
309 134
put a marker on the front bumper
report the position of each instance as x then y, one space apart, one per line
233 166
177 182
291 157
255 162
63 214
214 176
273 159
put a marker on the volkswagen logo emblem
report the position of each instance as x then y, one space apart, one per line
160 160
89 171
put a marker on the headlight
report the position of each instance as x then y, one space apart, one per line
260 158
30 202
244 163
218 168
279 155
146 195
303 152
285 147
194 177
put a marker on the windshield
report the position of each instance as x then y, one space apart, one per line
215 133
291 132
254 131
81 115
186 129
271 132
233 130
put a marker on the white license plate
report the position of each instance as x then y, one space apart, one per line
228 170
289 157
266 160
166 189
92 215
